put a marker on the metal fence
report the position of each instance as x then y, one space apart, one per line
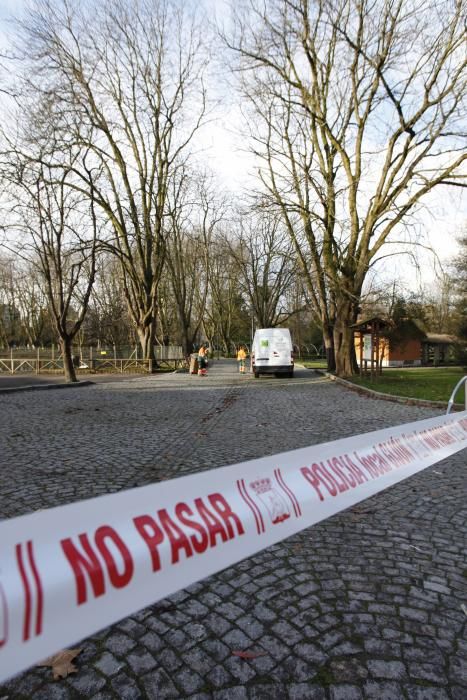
48 361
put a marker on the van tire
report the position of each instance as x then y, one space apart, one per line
256 375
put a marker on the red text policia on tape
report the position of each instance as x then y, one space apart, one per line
338 474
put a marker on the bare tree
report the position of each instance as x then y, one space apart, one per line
194 216
107 321
32 304
355 121
56 233
227 315
129 94
266 264
10 318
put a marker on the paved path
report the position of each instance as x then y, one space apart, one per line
365 605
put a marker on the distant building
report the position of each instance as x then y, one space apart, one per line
407 345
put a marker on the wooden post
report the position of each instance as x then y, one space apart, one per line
38 361
11 360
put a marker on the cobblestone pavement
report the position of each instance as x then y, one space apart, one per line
369 604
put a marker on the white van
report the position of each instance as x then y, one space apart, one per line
272 352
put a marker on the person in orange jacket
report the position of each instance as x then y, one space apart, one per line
241 357
202 360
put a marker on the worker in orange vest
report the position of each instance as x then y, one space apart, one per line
241 357
202 360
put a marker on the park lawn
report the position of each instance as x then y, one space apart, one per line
431 383
312 364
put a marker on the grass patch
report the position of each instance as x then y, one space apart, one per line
429 383
312 364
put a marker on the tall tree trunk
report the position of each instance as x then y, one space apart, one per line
146 340
187 342
344 348
328 340
68 366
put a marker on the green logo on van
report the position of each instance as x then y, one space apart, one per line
264 343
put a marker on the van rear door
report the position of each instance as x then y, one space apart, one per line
279 349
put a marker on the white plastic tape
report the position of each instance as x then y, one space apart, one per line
69 571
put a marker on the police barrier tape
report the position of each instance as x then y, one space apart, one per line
69 571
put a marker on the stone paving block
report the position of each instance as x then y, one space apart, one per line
199 660
382 690
216 624
219 677
217 649
427 672
379 647
87 682
387 669
264 613
287 632
345 692
157 625
132 627
345 649
236 692
158 684
330 639
189 681
108 664
240 669
152 641
348 670
413 614
140 660
326 622
416 692
194 609
300 691
196 631
25 684
252 627
51 692
458 670
237 640
169 660
305 589
397 636
178 639
310 653
424 655
436 587
119 644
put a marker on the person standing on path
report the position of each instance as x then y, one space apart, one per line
241 357
202 360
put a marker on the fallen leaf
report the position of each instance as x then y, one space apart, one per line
249 654
61 663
